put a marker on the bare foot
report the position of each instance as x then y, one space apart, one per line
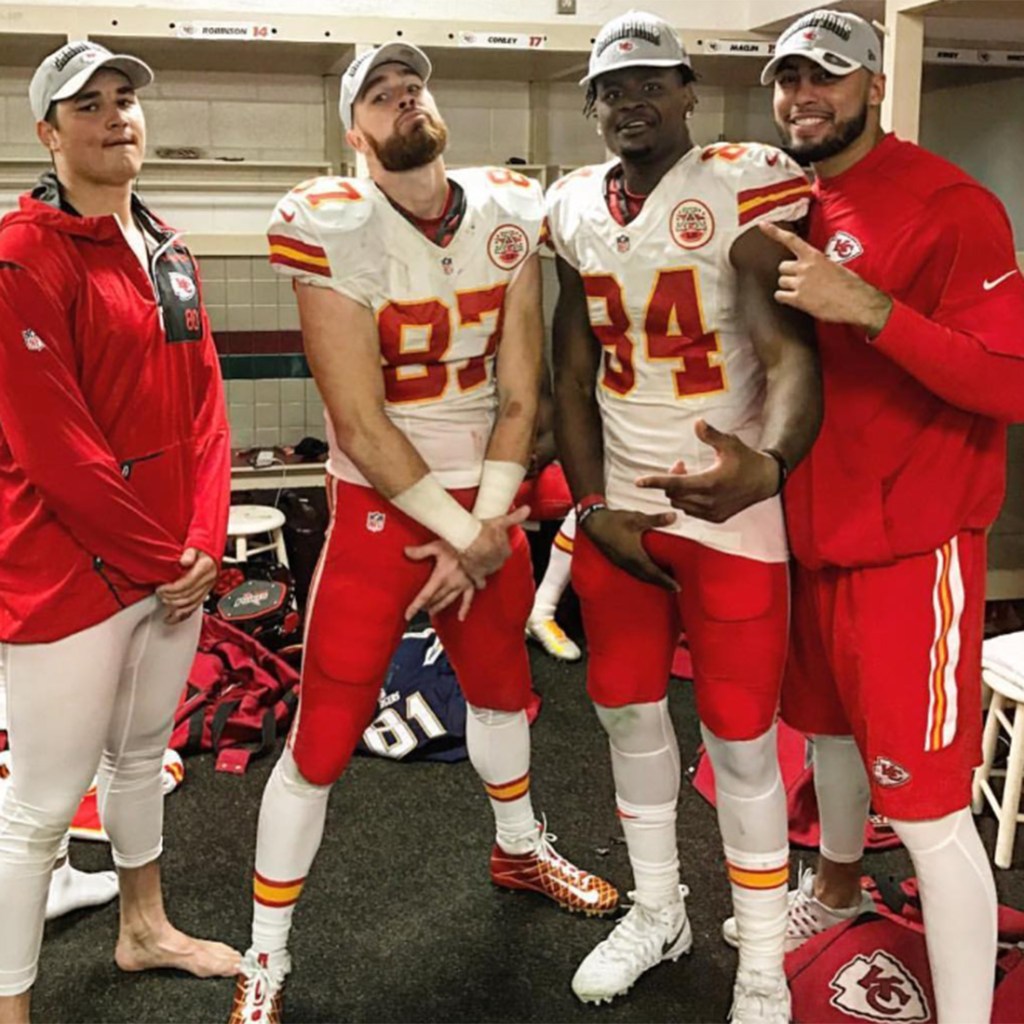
169 948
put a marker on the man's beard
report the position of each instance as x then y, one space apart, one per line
419 146
846 133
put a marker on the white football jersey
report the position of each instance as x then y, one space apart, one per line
438 310
663 303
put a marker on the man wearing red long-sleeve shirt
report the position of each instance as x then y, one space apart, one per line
910 271
114 480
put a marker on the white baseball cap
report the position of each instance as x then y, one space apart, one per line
65 72
635 39
355 75
837 41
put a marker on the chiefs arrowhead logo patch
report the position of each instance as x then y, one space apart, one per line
879 987
843 247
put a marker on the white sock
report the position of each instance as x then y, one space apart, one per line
498 743
71 889
645 766
291 826
844 795
751 804
958 902
558 572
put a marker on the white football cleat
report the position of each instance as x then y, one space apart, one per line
550 635
641 940
760 998
807 915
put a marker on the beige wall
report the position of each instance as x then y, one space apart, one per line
975 118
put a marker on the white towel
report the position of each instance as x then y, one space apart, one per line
1004 656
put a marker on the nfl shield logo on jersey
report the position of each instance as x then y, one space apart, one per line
508 246
622 243
691 224
879 987
446 265
843 247
32 340
375 522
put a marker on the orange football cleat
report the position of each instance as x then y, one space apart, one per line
259 989
544 870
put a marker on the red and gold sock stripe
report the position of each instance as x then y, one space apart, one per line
276 894
563 543
757 878
505 792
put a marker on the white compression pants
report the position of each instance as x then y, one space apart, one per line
102 698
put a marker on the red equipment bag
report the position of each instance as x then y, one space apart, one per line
238 699
875 967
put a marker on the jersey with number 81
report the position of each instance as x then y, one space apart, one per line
663 304
438 310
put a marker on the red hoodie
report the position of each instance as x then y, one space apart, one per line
114 445
913 444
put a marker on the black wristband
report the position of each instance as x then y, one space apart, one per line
588 510
780 461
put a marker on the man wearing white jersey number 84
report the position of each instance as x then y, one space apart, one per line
419 294
680 383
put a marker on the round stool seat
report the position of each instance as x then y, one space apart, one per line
245 520
1001 683
259 521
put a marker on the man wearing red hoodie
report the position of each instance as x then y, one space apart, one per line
114 480
909 270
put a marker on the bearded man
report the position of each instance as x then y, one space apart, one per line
419 295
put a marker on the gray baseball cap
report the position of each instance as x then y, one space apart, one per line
65 72
635 39
839 42
356 74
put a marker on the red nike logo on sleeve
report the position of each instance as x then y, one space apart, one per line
289 217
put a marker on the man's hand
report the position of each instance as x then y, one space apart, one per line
488 552
619 536
740 477
447 581
188 591
826 290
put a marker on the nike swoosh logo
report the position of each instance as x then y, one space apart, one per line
288 216
587 895
669 943
989 285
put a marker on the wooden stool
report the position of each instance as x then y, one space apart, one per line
262 522
1005 711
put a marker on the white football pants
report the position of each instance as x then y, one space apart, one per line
101 699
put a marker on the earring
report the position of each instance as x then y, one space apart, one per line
599 131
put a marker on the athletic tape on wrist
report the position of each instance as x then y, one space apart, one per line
499 483
432 506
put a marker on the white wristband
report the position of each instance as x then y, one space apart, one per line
432 506
499 482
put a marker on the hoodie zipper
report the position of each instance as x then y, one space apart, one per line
98 566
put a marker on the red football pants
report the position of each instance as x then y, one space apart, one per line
363 583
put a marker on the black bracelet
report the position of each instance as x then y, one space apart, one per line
589 510
780 461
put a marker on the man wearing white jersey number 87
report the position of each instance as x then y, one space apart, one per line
419 294
679 383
